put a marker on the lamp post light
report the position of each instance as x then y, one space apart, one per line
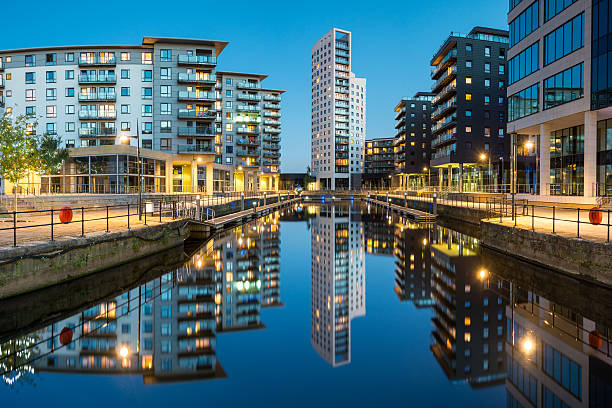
428 170
484 156
125 138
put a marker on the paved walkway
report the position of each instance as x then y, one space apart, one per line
539 217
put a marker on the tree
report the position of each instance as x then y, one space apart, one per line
308 178
19 153
51 156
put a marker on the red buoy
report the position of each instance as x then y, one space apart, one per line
595 339
65 336
65 215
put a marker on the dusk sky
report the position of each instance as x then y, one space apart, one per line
393 42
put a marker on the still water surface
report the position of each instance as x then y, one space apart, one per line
324 306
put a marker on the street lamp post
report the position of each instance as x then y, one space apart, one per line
428 170
486 156
502 173
123 138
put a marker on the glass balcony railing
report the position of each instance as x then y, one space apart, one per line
271 130
269 146
342 45
250 153
271 106
342 104
272 98
196 149
247 142
443 124
450 73
98 60
97 115
247 130
197 60
97 131
451 55
271 138
196 131
248 108
96 79
197 96
272 114
98 97
195 114
248 97
272 154
197 78
247 85
444 93
272 122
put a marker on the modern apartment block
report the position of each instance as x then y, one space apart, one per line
413 140
337 281
199 129
413 264
338 113
379 162
469 109
559 94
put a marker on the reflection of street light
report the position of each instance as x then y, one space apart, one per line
123 352
126 139
482 274
527 345
428 170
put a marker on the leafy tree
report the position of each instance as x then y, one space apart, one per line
52 157
308 178
19 154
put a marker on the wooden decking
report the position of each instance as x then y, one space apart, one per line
416 215
246 215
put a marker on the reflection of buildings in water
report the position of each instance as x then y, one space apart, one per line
469 316
378 230
413 263
550 361
165 329
337 280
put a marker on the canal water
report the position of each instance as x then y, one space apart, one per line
320 305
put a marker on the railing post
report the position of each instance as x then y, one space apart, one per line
82 221
160 211
578 224
15 227
107 219
532 217
608 240
128 215
553 231
52 224
145 214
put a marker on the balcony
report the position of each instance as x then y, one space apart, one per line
271 146
247 142
93 115
401 131
97 97
272 114
197 79
195 114
249 153
248 97
342 89
2 82
450 58
104 132
197 96
341 67
443 125
342 60
248 163
449 137
246 130
273 98
248 108
271 162
444 109
2 103
341 45
445 93
271 130
97 61
342 126
207 60
272 122
247 85
400 113
271 138
272 154
341 104
97 79
202 131
448 76
209 149
271 106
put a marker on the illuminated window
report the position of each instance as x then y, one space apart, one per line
468 129
468 97
467 321
468 80
467 337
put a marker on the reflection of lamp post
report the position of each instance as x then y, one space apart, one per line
428 170
125 138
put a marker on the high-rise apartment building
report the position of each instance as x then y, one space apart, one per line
559 95
337 281
338 113
469 109
379 163
413 139
199 129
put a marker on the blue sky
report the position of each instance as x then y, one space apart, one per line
392 43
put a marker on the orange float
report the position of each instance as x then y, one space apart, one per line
65 215
66 336
595 339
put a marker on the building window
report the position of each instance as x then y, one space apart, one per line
69 109
69 92
564 40
487 51
126 56
468 47
69 74
468 129
468 113
125 74
166 91
468 64
527 22
125 126
487 99
69 57
165 73
51 94
487 132
565 371
502 69
487 83
70 126
147 93
165 55
147 75
30 60
147 58
51 129
468 96
147 128
30 110
487 67
52 111
30 78
166 109
147 110
51 77
51 59
125 109
165 144
564 87
125 91
524 64
468 80
554 7
523 103
165 126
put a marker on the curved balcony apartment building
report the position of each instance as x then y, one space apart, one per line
199 129
559 95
